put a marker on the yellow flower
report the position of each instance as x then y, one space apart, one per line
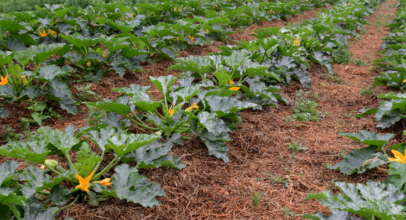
270 11
53 33
3 80
194 106
84 183
404 81
191 38
231 82
234 88
207 30
132 15
43 167
105 182
279 12
399 157
348 3
171 111
43 34
296 42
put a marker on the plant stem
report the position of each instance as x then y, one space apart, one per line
62 208
52 169
98 164
72 167
105 169
44 192
142 124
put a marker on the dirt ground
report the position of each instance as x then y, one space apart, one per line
208 188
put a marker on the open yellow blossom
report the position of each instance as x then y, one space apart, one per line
194 106
191 38
43 34
104 182
404 81
296 42
207 30
4 80
234 88
53 33
399 157
231 82
348 3
171 111
84 183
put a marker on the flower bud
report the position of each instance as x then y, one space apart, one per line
51 163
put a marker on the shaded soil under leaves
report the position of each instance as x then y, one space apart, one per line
209 189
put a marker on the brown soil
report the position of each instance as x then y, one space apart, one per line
209 189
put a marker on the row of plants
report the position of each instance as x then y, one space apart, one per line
393 74
288 51
204 102
374 200
110 38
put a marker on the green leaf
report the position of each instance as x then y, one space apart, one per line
49 72
43 52
237 58
58 139
222 75
60 92
32 212
213 123
111 107
215 147
59 195
134 88
129 185
34 151
113 120
8 197
31 92
195 64
398 174
155 154
189 92
223 106
142 102
353 162
374 200
36 180
369 138
86 160
335 215
4 113
7 173
80 41
100 138
125 143
163 83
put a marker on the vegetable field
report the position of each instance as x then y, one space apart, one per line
203 109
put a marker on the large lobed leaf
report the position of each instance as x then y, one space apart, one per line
129 185
125 143
374 200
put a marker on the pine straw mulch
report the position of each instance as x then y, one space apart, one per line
209 189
